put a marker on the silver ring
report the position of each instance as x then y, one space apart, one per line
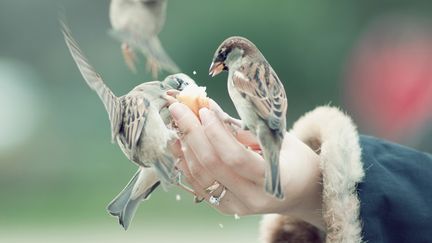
216 200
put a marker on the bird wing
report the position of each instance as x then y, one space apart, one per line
136 110
265 91
94 80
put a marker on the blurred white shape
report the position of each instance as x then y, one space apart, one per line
221 226
178 197
236 216
20 104
194 72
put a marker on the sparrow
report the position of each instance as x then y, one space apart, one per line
259 98
140 125
136 24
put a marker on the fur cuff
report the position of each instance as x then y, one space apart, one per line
332 135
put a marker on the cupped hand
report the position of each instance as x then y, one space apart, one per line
209 151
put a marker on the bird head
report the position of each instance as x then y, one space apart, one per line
230 53
179 81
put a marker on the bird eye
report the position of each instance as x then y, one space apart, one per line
223 55
181 84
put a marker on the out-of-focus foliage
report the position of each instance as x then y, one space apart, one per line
65 171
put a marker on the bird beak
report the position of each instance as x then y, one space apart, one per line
216 68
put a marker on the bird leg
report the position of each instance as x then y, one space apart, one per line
186 188
153 66
179 183
129 57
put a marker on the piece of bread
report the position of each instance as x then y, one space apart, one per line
195 97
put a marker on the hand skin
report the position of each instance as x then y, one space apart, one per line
208 151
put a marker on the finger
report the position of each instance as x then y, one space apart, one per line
197 172
198 149
231 152
196 141
184 118
248 139
243 136
229 204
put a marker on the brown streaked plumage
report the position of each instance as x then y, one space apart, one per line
139 126
259 98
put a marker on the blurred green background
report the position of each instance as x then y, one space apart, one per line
58 169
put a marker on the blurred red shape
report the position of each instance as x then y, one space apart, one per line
389 78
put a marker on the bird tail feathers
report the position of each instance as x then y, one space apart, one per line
125 204
272 177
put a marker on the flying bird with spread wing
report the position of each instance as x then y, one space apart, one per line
140 126
136 24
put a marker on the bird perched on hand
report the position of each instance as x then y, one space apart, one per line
259 98
137 23
139 125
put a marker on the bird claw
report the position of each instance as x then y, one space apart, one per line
198 199
234 124
179 183
173 92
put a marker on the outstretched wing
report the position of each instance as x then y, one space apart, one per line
265 91
94 80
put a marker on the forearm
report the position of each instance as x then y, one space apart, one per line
303 185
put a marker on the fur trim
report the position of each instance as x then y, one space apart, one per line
332 135
277 228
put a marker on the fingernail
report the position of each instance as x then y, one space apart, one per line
177 110
206 116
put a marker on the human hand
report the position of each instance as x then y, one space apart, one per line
209 152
